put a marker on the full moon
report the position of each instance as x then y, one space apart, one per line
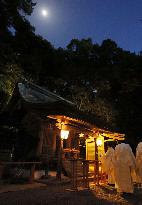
44 12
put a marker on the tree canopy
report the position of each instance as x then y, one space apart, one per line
102 79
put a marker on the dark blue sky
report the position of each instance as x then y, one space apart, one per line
98 19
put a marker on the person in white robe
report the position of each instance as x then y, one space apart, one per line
139 162
107 164
124 166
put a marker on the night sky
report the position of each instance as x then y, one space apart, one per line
120 20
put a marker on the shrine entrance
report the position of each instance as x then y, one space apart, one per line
80 147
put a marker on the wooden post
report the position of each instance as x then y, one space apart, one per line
96 165
85 174
41 137
59 158
74 174
32 171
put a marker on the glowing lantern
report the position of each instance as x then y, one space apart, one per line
99 141
64 134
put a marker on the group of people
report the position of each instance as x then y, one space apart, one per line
122 167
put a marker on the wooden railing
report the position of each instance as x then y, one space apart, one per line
82 172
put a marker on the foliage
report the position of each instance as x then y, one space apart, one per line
105 80
9 76
11 17
102 79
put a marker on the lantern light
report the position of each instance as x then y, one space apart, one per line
99 142
64 134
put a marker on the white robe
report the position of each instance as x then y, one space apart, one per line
124 165
108 165
139 162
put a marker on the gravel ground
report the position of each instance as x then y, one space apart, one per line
60 195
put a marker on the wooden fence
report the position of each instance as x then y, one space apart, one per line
90 171
31 165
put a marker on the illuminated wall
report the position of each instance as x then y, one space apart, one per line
90 149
